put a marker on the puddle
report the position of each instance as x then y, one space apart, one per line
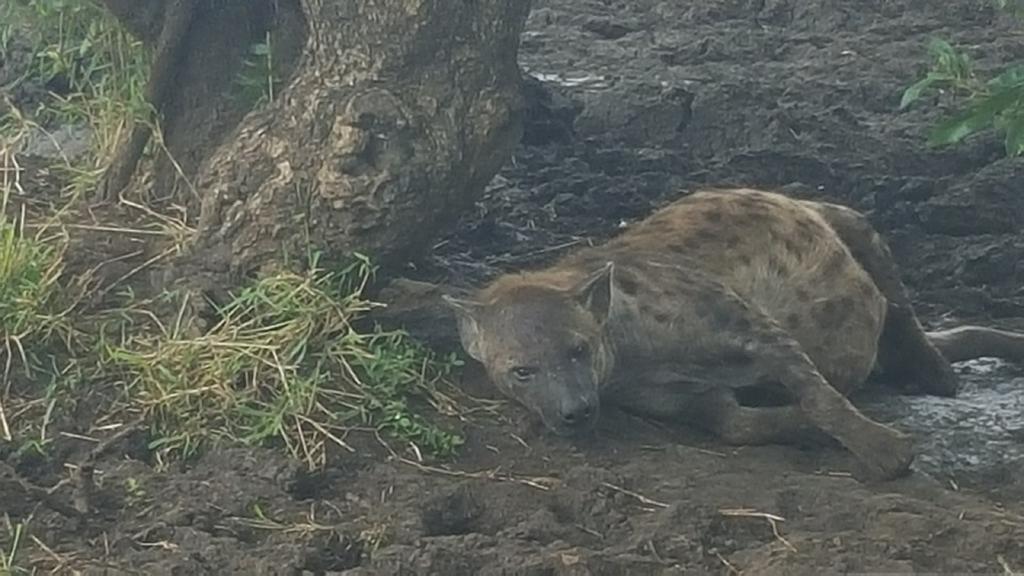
977 436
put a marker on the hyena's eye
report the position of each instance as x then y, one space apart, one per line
523 373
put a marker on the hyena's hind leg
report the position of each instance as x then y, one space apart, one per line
905 353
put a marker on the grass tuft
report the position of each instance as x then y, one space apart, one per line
30 297
29 269
285 364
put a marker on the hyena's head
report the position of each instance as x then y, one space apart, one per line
544 347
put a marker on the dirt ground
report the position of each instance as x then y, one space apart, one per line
633 104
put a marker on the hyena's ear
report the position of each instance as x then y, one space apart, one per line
594 293
467 314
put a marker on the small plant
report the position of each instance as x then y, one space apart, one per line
29 314
135 493
995 103
950 70
35 310
286 364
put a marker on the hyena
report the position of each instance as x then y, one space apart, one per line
722 296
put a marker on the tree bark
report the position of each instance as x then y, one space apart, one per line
397 114
141 18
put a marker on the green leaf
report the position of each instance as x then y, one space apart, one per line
911 94
1015 133
979 115
1012 77
938 47
949 62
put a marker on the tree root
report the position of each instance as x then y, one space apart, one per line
168 51
417 308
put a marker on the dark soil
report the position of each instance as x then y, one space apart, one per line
633 104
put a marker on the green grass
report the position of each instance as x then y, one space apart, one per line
93 71
30 313
286 365
28 273
291 362
994 103
35 309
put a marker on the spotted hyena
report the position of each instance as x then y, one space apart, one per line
718 297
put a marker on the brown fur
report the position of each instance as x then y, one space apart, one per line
721 291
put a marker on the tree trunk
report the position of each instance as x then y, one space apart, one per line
396 115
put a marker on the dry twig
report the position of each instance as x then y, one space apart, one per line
538 482
729 565
640 497
1007 571
772 520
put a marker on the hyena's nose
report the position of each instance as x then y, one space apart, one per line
577 412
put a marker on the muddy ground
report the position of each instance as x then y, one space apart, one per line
633 104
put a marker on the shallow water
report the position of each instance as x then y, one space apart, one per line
976 437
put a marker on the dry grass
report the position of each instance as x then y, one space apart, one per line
285 363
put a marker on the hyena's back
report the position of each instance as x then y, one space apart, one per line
779 255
